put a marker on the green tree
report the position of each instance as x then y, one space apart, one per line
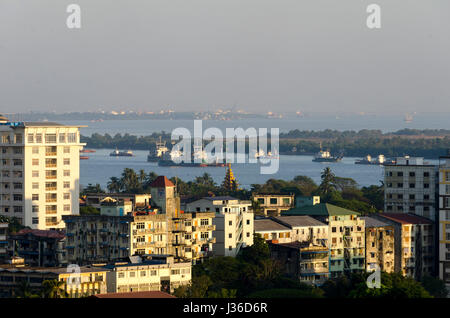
113 185
327 187
435 286
54 289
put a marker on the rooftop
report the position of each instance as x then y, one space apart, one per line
303 245
299 221
41 233
161 182
372 222
220 198
264 225
406 218
321 209
144 294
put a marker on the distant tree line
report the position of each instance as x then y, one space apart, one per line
424 143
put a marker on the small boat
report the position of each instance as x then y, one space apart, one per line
87 150
369 161
84 157
117 153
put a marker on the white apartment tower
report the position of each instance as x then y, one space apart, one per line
234 223
444 219
410 187
39 172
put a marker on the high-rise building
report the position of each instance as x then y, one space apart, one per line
410 187
444 219
39 172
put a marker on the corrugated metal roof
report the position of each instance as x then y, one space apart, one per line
269 225
321 209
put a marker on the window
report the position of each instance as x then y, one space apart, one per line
412 185
412 174
204 222
143 273
35 208
400 196
132 274
66 207
426 197
153 273
230 235
248 222
66 149
426 185
273 201
18 138
248 234
121 275
230 223
30 138
426 174
66 173
38 138
35 185
50 138
67 196
35 162
35 173
35 220
72 137
66 184
35 197
412 196
18 209
400 174
62 137
17 197
399 185
333 229
66 161
175 272
35 150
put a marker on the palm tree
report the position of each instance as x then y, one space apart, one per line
24 290
54 289
113 185
327 186
129 182
142 176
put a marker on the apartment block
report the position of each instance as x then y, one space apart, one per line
379 245
97 238
303 261
115 207
161 228
413 243
274 204
39 172
444 219
233 222
190 233
39 248
346 236
410 187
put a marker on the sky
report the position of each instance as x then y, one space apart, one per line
256 55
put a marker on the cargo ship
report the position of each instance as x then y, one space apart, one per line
172 159
157 155
325 156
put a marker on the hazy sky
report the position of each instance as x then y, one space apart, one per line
261 55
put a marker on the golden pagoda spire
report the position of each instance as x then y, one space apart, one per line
230 182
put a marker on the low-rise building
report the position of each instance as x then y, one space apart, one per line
297 228
274 204
113 207
444 219
303 261
158 273
233 222
78 282
414 243
43 248
137 200
379 245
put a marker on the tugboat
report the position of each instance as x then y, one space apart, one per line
157 155
117 153
325 156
